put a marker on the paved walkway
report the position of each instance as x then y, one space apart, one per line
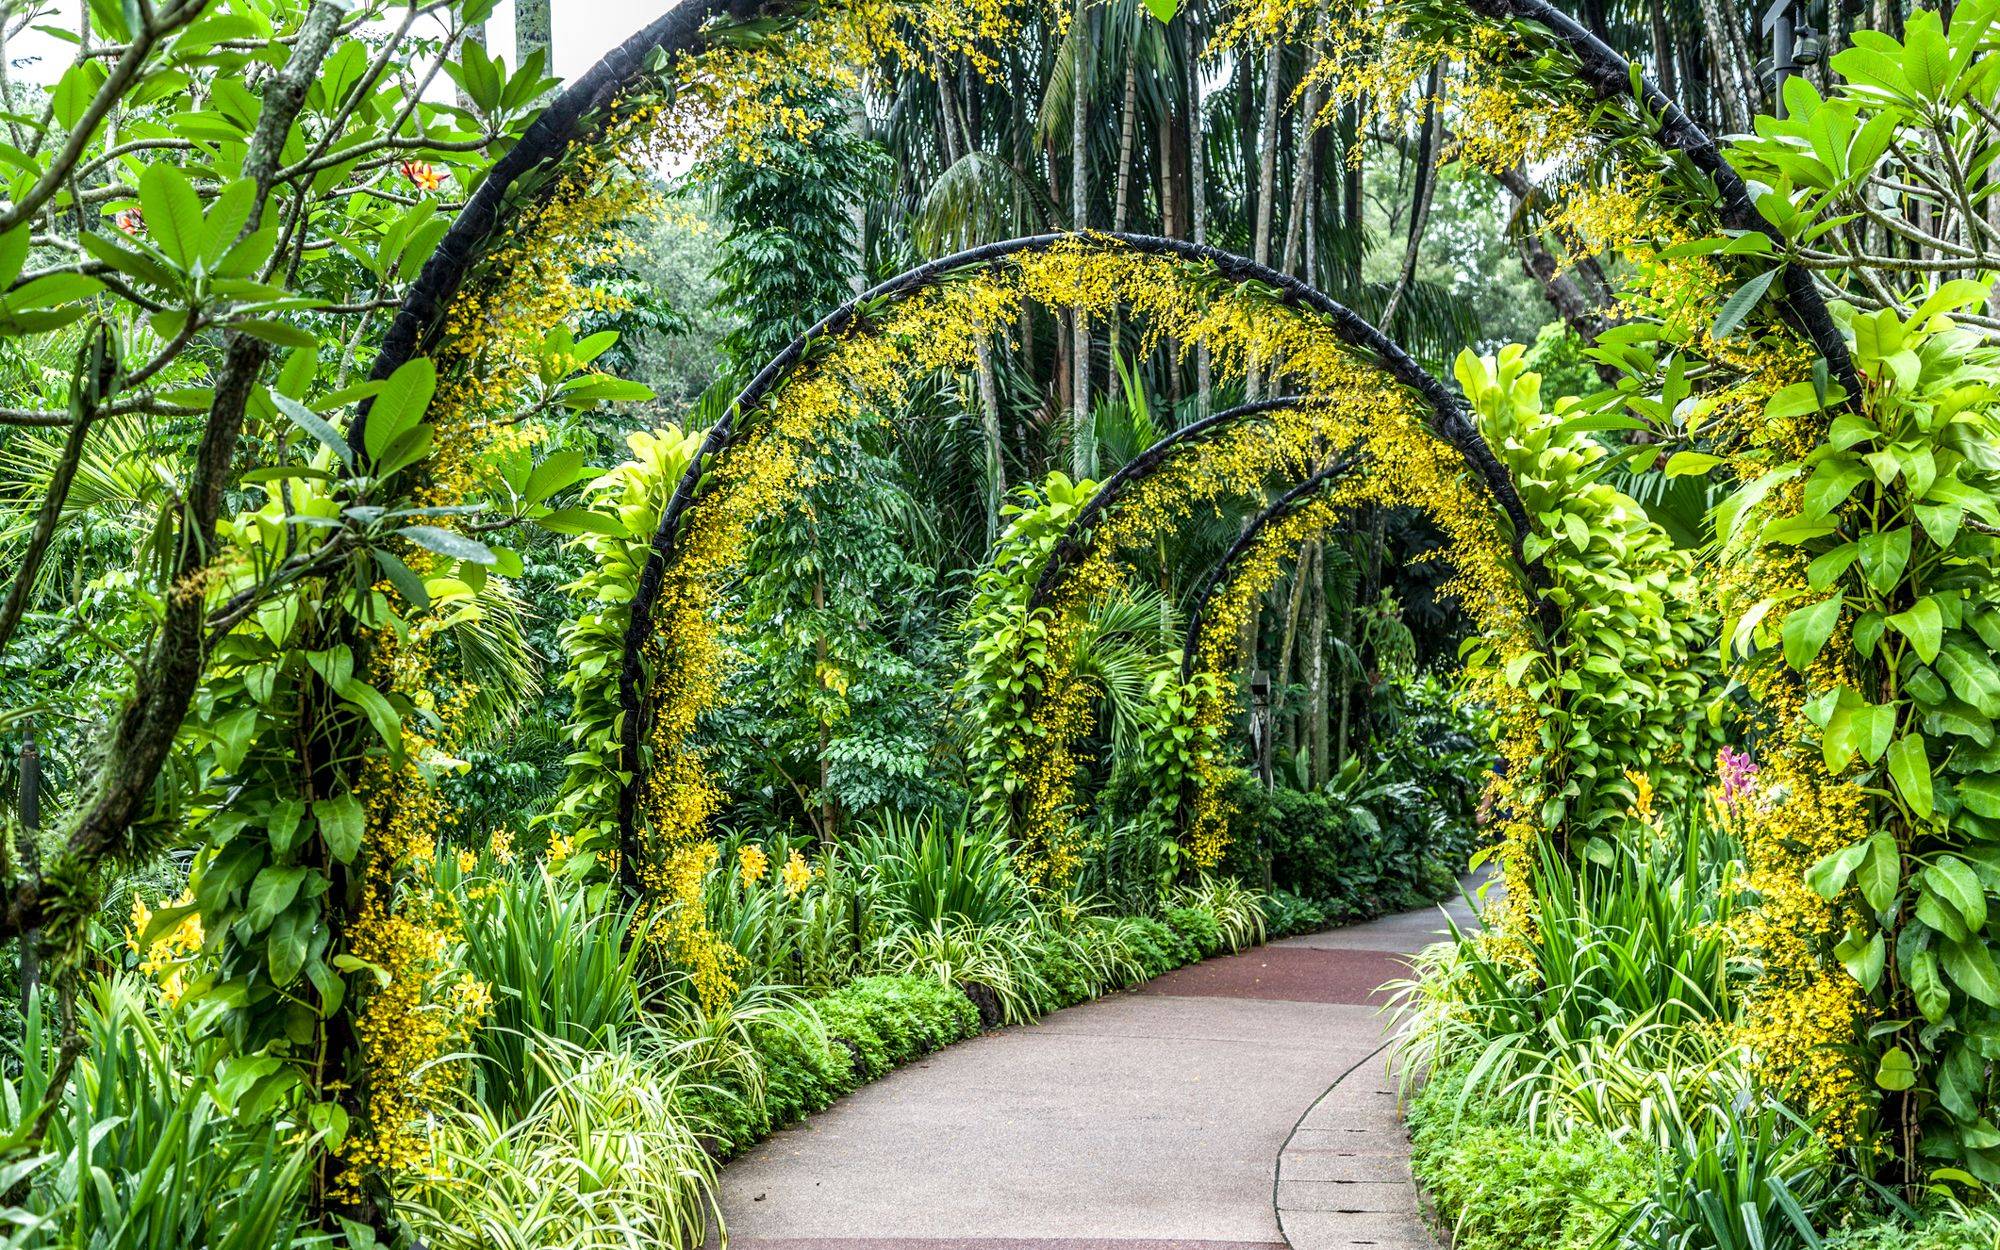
1154 1120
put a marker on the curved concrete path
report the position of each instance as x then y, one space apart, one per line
1152 1120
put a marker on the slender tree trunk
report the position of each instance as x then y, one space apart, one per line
1728 84
532 32
1082 454
1316 681
958 142
1663 49
996 466
1267 176
1303 169
1128 129
1742 58
1283 681
1583 305
1425 173
1204 379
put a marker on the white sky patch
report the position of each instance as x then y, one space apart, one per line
582 31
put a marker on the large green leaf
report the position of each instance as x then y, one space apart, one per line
1806 630
1910 767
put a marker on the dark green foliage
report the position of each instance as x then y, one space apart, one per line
840 709
888 1021
1063 972
814 1053
1379 851
1286 914
1154 946
1197 931
789 254
1500 1186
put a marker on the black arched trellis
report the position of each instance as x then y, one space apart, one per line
680 30
1450 419
541 148
1070 547
1286 504
1611 75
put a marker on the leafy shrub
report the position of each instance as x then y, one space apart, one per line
1624 957
1741 1173
1200 936
1500 1185
606 1157
1952 1228
1151 946
1066 978
813 938
997 963
1238 911
888 1021
1125 862
1369 845
810 1054
931 873
1287 914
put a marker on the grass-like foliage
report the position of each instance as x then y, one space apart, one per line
159 1141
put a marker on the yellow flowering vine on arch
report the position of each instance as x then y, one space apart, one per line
858 361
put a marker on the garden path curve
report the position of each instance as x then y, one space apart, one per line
1239 1104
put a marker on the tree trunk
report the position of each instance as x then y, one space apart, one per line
1728 84
1283 681
532 33
1663 49
958 142
1420 204
1204 380
1082 455
1128 128
1316 681
1267 175
1581 295
989 414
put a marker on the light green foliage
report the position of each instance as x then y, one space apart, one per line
614 528
837 707
1625 682
1009 652
1740 1172
1500 1186
162 1139
1173 743
1622 978
558 956
808 1055
605 1158
1895 519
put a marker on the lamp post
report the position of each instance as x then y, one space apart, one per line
1794 46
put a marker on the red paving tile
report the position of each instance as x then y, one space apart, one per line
991 1243
1296 974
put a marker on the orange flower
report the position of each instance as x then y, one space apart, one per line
426 176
